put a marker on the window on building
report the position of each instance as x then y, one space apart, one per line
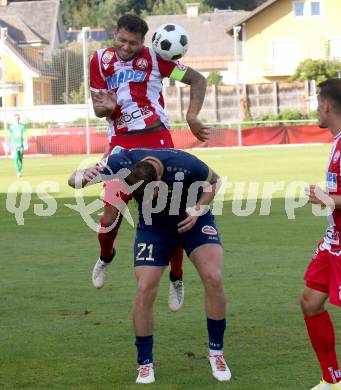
298 8
0 101
285 56
15 100
315 8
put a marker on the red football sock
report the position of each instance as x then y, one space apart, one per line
176 263
321 332
106 242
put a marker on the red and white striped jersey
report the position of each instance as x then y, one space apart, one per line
137 84
333 185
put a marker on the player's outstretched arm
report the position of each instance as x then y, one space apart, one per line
198 86
82 177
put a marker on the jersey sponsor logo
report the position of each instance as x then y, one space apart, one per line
126 118
331 181
210 230
107 57
125 76
142 63
336 156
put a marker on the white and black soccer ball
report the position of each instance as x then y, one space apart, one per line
170 41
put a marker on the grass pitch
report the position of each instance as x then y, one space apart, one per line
57 332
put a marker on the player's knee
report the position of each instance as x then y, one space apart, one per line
213 278
146 291
309 305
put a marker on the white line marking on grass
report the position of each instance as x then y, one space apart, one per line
258 146
28 155
36 217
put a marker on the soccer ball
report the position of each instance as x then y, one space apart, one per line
170 41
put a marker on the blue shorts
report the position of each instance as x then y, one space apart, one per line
154 247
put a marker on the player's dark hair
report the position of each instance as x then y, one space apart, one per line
133 24
331 90
142 170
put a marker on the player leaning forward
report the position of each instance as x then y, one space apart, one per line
181 187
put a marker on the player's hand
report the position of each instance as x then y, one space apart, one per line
198 129
90 174
316 195
187 224
107 100
192 216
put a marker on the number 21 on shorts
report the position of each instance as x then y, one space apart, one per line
144 250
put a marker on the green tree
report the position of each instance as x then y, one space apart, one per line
108 12
104 14
173 7
93 13
69 13
169 7
234 4
82 17
138 6
317 70
100 13
214 78
67 64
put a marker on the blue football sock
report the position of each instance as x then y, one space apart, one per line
144 345
216 330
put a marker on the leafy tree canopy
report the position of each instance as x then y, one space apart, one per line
317 70
174 7
104 13
92 13
214 78
234 4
